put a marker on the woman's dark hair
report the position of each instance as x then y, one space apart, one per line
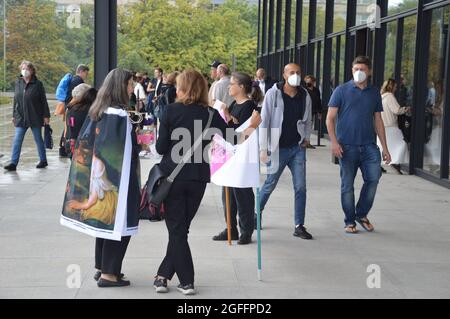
251 88
113 93
87 99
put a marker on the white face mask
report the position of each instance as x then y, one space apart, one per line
25 73
294 80
359 76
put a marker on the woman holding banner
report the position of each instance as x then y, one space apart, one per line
247 96
189 114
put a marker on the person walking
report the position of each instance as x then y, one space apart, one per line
30 110
357 106
394 136
186 193
316 99
286 130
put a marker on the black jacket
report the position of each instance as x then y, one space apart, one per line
30 104
178 116
316 100
76 80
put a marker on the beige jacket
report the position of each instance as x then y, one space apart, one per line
391 110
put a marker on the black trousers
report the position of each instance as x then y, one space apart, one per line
109 255
242 202
181 206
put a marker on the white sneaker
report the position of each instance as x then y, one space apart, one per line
187 290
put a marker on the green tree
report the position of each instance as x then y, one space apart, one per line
185 34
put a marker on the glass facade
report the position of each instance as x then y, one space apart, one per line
436 93
415 58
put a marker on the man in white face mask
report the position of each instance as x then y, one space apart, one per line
356 106
285 131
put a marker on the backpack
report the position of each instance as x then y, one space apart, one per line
63 87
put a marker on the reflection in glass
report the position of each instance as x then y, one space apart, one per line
391 42
340 15
342 61
320 18
365 11
293 21
305 20
434 108
397 6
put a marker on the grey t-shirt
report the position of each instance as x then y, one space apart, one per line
221 91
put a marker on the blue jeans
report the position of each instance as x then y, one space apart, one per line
295 159
368 159
18 140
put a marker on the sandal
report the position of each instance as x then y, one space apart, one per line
351 229
365 223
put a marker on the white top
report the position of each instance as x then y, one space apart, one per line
99 181
221 91
139 90
211 93
391 110
262 86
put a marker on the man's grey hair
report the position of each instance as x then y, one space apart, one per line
79 90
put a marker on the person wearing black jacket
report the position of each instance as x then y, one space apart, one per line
314 93
75 117
30 110
242 200
80 77
189 186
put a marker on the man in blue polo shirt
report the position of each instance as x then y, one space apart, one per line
357 107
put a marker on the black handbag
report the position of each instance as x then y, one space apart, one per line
158 184
48 137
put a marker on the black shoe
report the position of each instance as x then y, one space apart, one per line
256 221
98 274
103 283
160 285
187 290
223 236
245 240
300 231
43 164
11 167
397 168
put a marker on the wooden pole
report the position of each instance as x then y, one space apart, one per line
227 205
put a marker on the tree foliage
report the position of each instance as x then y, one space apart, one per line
171 34
185 34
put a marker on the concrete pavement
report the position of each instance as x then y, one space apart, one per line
410 245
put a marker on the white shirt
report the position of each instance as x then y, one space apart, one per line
262 86
139 90
391 110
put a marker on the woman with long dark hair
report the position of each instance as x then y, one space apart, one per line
115 93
